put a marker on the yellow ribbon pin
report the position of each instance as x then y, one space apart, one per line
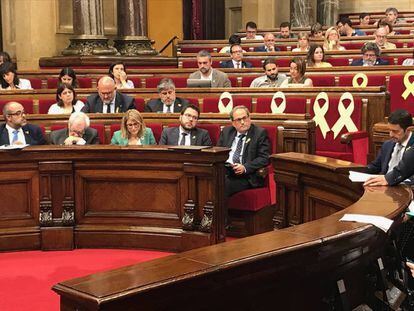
345 115
222 108
320 112
274 107
409 87
362 76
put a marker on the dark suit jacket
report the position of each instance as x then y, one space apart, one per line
229 64
263 48
403 170
380 164
378 62
199 137
156 105
90 136
255 154
32 133
122 103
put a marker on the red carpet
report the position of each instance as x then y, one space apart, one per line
26 278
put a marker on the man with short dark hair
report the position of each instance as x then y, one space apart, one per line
16 130
187 134
108 99
399 122
345 28
285 31
206 72
250 150
364 19
236 60
370 56
271 78
251 32
167 101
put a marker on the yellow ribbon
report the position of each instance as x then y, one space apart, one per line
409 87
320 112
364 82
274 107
345 115
222 108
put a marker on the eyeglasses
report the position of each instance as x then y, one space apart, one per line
190 116
239 120
17 113
133 124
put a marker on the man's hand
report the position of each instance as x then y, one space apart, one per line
411 266
238 169
376 181
72 140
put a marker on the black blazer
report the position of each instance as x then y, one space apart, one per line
94 103
229 64
199 137
156 105
255 154
380 164
378 62
90 136
263 48
403 170
32 133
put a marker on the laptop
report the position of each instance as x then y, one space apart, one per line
198 83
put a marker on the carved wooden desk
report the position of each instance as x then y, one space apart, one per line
58 197
295 268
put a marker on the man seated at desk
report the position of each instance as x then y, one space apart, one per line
271 78
187 134
108 99
78 132
236 61
167 101
250 152
16 130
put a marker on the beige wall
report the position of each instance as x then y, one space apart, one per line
350 6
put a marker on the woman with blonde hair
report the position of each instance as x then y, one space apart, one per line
332 42
303 42
133 131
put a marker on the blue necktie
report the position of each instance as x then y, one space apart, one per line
15 136
237 152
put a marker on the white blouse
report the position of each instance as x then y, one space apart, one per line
56 109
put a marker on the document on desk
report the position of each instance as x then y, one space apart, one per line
378 221
359 177
13 147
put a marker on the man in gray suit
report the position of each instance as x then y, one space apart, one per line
187 134
78 132
206 72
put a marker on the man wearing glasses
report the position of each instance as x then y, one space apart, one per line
370 56
382 41
168 101
187 134
236 61
16 131
250 152
108 100
78 132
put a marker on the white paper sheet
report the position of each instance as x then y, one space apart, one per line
12 147
378 221
359 177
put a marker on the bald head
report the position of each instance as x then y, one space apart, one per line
14 114
106 89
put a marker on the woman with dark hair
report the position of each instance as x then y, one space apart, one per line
297 71
316 57
9 79
4 57
68 76
233 39
66 101
117 71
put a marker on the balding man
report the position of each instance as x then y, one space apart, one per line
78 132
269 44
16 131
108 100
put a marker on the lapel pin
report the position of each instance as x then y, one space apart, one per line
26 132
247 141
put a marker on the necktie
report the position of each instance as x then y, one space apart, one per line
237 152
182 142
15 136
395 157
169 109
238 65
108 108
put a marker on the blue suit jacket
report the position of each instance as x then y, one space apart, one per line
263 49
229 64
380 164
32 133
378 62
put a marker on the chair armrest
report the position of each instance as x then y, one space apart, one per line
347 138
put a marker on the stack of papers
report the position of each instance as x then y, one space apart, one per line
378 221
359 177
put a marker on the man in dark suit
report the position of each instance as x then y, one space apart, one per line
236 61
269 44
16 131
400 123
187 134
78 132
370 56
108 100
250 150
168 102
